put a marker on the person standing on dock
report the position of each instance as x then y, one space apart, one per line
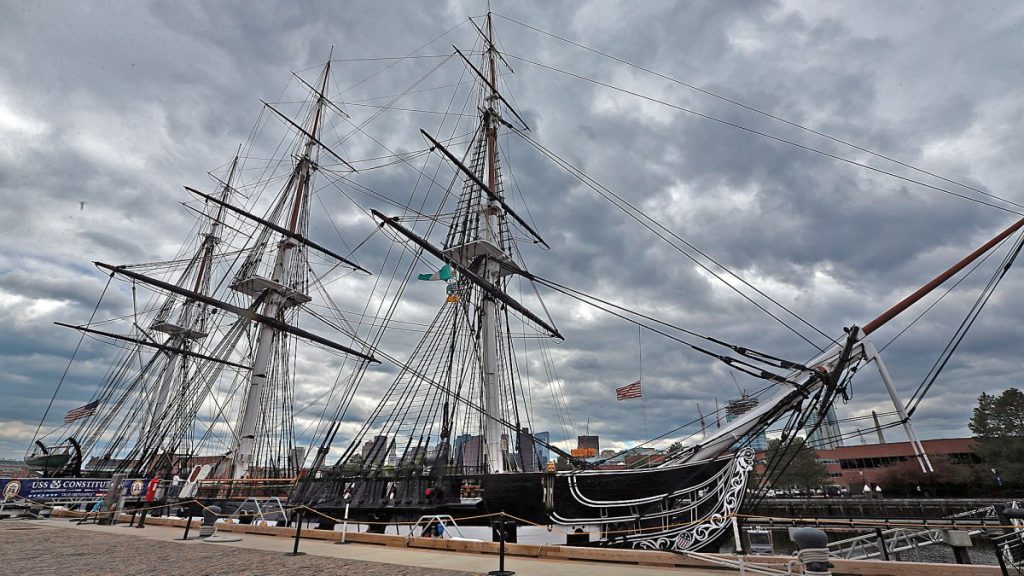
149 499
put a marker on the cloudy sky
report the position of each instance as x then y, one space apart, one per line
107 109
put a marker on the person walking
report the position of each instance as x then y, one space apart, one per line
148 499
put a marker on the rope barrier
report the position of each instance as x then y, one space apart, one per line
401 523
519 520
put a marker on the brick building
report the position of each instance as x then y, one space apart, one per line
853 466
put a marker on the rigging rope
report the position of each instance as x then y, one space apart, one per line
650 224
610 308
35 435
760 111
964 327
775 138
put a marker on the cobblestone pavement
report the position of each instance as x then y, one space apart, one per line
30 548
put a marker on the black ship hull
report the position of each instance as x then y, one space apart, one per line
684 506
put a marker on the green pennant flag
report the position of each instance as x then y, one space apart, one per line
445 273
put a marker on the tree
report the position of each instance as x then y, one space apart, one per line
353 465
998 427
799 465
951 479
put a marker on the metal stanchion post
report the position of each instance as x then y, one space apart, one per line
298 535
188 525
881 544
502 527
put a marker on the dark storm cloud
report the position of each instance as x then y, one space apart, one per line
118 105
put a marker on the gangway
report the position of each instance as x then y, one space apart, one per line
892 541
264 508
426 521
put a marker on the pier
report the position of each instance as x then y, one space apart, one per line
118 550
260 549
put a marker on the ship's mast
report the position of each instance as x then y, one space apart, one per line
489 232
191 326
278 293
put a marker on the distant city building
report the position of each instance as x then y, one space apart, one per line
379 451
108 465
586 447
297 457
644 460
471 454
594 442
414 456
13 469
460 440
543 452
526 455
612 459
827 436
738 407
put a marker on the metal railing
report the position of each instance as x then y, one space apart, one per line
892 541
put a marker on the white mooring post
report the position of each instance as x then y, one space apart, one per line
344 525
739 546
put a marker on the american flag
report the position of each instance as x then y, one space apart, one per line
81 412
629 391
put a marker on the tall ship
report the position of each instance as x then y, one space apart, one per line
206 369
210 360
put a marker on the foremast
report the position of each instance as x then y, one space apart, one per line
189 327
284 289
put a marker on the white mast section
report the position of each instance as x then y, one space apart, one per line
489 232
871 354
179 334
156 409
279 294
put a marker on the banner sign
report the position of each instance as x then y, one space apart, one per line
54 488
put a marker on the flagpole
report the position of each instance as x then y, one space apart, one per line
643 401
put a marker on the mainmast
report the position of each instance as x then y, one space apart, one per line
459 395
489 232
279 292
